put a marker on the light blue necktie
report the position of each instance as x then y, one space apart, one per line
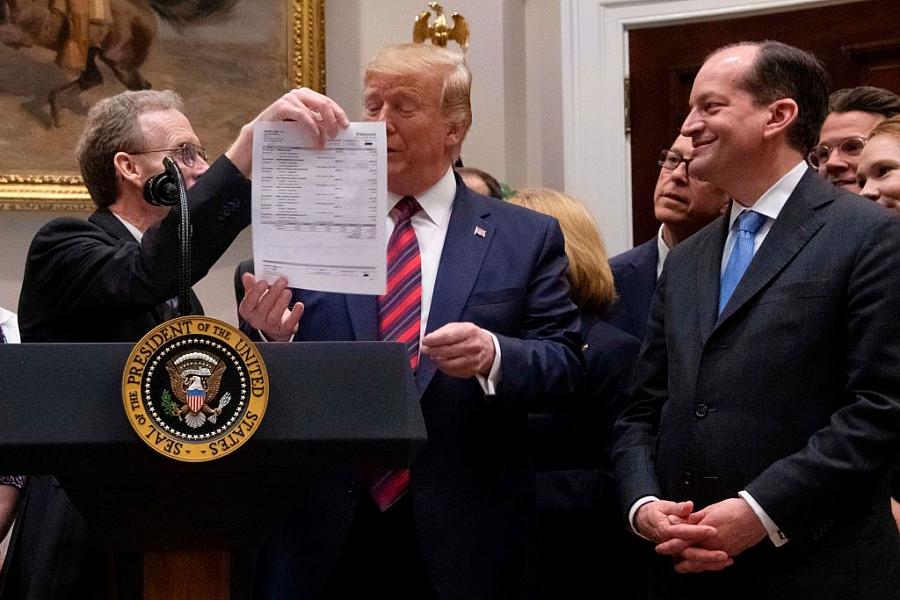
748 223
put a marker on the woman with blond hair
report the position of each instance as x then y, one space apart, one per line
581 535
878 173
879 180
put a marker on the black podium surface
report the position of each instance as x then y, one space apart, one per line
333 407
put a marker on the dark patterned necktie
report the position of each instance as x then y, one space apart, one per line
2 337
399 317
400 309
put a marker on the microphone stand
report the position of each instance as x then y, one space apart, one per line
184 239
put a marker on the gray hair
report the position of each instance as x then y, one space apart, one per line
112 126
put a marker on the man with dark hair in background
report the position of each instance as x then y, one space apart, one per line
852 114
684 205
766 411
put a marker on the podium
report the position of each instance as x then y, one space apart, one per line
332 406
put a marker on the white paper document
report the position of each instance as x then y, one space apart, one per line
319 214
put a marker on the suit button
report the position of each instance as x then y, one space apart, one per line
701 410
688 478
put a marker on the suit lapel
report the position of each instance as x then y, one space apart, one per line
708 273
461 258
104 219
641 269
794 227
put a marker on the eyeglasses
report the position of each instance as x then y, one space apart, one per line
187 153
670 159
848 147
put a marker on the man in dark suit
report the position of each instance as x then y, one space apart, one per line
684 205
112 278
492 334
766 409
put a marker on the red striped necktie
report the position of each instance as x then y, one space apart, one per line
399 317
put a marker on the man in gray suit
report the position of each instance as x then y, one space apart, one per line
766 409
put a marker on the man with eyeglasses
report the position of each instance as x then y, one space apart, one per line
683 204
112 278
852 114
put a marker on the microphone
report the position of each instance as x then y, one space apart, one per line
162 189
168 189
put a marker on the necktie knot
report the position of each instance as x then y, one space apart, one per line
405 209
750 221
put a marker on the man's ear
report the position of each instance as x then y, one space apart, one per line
127 169
782 114
455 133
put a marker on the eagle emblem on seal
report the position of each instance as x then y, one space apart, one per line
195 378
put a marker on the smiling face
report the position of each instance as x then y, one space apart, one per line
681 201
840 168
725 125
420 138
878 174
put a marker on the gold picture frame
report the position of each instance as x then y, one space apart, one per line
301 24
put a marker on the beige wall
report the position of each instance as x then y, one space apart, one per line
516 135
514 54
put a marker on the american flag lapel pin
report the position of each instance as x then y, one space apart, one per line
480 231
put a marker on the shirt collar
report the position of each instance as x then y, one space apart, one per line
134 231
5 316
772 202
662 249
436 201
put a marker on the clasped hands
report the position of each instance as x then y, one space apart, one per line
706 540
458 349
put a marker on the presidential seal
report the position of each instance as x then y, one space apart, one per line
195 389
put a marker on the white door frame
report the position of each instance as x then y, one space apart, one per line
596 151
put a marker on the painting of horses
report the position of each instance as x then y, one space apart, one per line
227 58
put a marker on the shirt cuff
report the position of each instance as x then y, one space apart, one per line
633 511
16 481
263 338
489 384
775 534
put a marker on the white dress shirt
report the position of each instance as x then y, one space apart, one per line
137 233
430 225
9 323
662 251
769 204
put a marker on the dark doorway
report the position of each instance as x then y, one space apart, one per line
859 43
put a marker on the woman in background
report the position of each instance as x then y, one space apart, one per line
585 548
878 173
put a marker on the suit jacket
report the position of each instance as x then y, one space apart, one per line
578 433
472 486
580 533
792 393
90 281
634 272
